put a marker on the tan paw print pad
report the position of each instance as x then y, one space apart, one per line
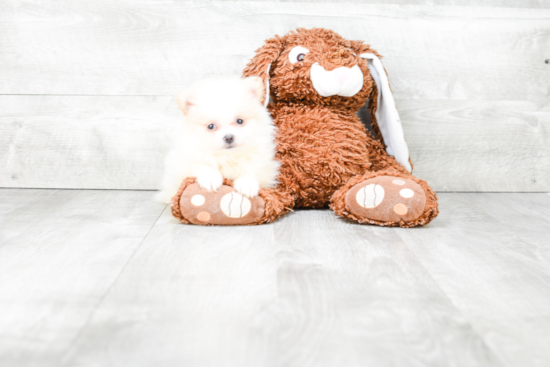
387 199
223 207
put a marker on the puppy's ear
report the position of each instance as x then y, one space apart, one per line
186 100
255 86
260 64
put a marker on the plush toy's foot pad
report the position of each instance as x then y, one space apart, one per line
387 199
223 207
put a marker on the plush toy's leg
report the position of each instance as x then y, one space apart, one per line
195 205
388 197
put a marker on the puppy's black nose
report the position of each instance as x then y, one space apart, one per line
229 138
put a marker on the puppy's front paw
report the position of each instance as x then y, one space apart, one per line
247 186
210 181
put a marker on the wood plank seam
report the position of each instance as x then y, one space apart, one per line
91 314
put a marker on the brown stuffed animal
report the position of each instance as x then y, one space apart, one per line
317 82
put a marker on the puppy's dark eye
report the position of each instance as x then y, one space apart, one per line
211 127
240 122
300 57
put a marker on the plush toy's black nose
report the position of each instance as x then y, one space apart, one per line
229 138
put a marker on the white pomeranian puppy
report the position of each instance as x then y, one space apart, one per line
226 133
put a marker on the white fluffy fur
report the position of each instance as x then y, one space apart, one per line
202 153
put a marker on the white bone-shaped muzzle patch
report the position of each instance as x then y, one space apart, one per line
342 81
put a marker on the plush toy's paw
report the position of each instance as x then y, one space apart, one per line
386 199
222 207
247 186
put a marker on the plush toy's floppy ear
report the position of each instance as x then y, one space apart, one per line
260 64
386 113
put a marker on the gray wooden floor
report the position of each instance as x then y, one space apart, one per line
108 278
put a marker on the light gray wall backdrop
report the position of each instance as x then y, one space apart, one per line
87 88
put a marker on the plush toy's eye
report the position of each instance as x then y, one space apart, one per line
240 121
211 127
297 54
